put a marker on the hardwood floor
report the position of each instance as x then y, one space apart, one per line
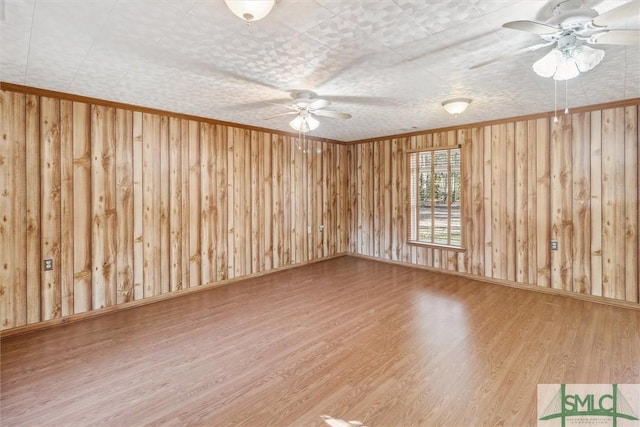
351 338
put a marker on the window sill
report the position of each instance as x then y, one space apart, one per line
437 246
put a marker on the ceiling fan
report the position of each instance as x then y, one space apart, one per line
305 106
570 31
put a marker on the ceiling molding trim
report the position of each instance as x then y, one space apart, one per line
79 98
12 87
548 114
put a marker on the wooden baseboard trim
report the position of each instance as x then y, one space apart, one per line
158 298
510 284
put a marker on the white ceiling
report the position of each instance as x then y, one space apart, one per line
390 63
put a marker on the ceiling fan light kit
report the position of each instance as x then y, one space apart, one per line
456 106
305 106
570 31
568 62
250 10
304 123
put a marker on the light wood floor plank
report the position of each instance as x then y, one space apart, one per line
351 338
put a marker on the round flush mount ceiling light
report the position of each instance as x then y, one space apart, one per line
456 106
250 10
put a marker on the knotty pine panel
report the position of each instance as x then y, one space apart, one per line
526 182
132 205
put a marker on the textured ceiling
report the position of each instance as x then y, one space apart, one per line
390 63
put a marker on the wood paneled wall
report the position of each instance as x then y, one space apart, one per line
132 205
525 183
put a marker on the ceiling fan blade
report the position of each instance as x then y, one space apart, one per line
288 113
333 114
612 16
288 106
532 27
512 54
620 37
318 103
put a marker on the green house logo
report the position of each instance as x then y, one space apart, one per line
589 404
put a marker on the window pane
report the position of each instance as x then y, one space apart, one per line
441 197
435 195
424 227
456 226
413 196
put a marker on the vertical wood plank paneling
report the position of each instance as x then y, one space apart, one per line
581 212
532 197
221 203
286 202
387 201
285 238
246 204
308 181
254 206
238 203
631 190
12 189
66 207
138 207
375 178
596 202
466 212
488 189
50 205
268 202
258 211
276 186
185 208
19 207
561 194
195 278
510 211
124 205
33 210
151 203
499 226
358 206
299 204
128 203
82 287
330 173
613 240
543 203
206 207
341 185
475 241
231 196
521 203
8 172
165 227
103 204
175 204
316 159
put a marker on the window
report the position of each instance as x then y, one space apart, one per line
435 197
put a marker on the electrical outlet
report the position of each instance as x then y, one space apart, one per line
48 264
321 228
554 245
309 230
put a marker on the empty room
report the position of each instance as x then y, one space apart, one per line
319 213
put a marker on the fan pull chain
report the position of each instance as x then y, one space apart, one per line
555 101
